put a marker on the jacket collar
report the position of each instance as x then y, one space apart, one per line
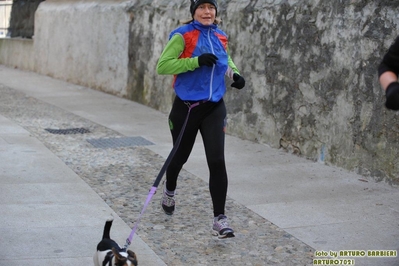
200 26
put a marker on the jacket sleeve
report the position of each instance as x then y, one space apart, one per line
390 61
232 67
170 64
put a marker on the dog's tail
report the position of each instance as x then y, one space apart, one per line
107 229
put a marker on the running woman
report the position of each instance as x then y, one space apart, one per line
197 55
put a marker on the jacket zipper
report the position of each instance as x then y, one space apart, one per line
213 67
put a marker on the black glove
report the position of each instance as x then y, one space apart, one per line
239 82
207 60
392 94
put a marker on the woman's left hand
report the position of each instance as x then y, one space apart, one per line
239 82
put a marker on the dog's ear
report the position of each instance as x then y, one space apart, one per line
119 259
132 256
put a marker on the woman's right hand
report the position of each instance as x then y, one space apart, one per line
207 60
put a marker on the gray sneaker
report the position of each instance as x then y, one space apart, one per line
221 227
168 203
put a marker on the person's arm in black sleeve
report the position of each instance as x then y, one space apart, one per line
388 72
390 61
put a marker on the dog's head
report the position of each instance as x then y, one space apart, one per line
120 260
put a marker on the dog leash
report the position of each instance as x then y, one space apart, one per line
162 172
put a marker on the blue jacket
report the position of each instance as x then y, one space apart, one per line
202 83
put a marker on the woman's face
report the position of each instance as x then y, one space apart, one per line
205 14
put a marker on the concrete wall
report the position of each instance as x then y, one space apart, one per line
310 67
17 53
84 42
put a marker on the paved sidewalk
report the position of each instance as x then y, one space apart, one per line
57 190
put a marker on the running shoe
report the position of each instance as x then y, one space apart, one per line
221 227
168 203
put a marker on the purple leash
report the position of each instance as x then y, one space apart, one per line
154 187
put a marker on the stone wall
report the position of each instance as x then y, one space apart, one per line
312 85
310 66
22 18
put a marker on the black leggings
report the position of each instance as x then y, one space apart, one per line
210 119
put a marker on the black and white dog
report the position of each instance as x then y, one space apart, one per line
110 253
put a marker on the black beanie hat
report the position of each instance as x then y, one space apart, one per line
196 3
